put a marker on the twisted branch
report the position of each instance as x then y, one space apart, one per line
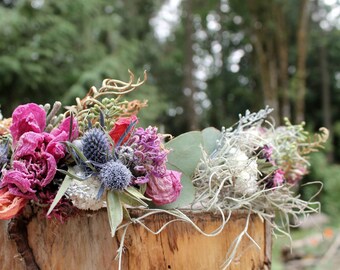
17 230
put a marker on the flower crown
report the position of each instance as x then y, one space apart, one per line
95 156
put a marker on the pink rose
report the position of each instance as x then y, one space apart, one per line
36 152
64 129
25 118
61 134
120 127
33 167
10 205
165 189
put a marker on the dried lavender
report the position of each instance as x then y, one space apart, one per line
149 155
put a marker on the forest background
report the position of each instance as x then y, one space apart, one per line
207 62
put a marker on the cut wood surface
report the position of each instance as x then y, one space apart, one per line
84 242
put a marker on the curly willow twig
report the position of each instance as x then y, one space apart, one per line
109 87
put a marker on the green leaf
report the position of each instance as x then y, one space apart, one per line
142 188
114 211
185 151
64 186
185 154
131 200
210 136
126 213
134 192
71 175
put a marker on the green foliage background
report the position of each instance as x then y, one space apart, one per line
56 50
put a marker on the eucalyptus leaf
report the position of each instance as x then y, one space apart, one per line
64 186
210 136
185 151
114 211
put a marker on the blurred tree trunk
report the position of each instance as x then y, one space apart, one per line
282 47
302 43
325 84
188 83
268 37
326 97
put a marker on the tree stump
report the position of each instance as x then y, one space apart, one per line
84 242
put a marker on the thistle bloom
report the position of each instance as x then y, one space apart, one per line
3 155
96 146
115 176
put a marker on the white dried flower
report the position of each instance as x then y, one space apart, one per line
246 180
83 194
245 172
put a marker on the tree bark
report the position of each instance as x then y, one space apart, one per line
282 48
189 88
326 94
17 231
302 43
264 41
84 242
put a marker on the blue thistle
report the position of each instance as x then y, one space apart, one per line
3 155
96 146
115 176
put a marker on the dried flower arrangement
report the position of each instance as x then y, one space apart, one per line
94 156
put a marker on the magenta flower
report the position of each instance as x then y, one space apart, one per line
61 134
25 118
33 167
165 189
64 128
35 153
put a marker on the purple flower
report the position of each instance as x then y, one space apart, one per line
276 179
267 152
149 154
165 189
279 177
